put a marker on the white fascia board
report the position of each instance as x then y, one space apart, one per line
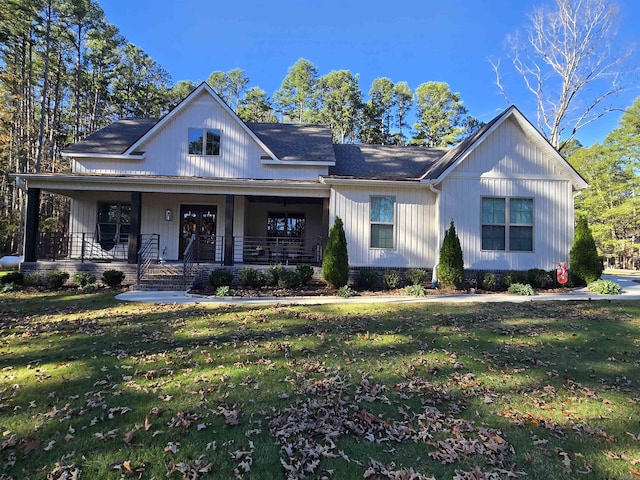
183 104
308 163
364 181
111 156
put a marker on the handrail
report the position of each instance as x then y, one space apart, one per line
148 254
189 257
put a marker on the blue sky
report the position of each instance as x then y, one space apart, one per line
410 40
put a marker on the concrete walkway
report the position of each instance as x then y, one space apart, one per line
629 283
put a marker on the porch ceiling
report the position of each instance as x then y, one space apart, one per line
66 183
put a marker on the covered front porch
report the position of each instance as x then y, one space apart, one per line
204 221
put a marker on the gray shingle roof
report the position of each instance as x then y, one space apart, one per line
115 138
384 162
293 142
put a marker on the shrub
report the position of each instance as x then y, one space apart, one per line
220 277
583 258
574 281
82 279
335 264
31 279
12 277
345 291
391 279
539 278
252 278
223 291
415 291
367 278
451 264
305 272
274 273
113 278
521 289
489 281
56 278
9 287
416 276
606 287
514 276
289 279
89 288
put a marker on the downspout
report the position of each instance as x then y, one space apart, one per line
434 275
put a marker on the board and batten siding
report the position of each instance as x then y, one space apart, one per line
415 232
167 151
509 164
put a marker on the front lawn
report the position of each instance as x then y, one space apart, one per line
94 388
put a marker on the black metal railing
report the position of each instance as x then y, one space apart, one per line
272 250
189 259
148 255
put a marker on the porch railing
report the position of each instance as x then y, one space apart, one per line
148 255
272 250
189 258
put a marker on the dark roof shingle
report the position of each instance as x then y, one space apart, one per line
115 138
296 143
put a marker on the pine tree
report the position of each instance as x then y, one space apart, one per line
335 264
451 265
583 258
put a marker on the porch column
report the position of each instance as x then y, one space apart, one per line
134 235
32 225
228 229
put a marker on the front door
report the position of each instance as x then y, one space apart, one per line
199 220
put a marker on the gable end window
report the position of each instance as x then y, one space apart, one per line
204 141
507 224
382 220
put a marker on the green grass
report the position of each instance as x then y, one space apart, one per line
119 390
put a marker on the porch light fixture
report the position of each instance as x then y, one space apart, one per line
167 214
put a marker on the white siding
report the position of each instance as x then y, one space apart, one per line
415 225
167 151
508 164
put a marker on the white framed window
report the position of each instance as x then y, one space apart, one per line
507 224
204 141
382 221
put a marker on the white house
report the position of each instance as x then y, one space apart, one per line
202 183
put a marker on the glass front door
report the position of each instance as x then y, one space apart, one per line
199 220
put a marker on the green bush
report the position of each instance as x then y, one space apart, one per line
583 258
56 278
415 291
12 277
223 291
305 272
391 279
521 289
539 278
335 264
575 281
514 276
345 291
89 288
113 278
220 277
274 273
488 281
416 276
10 287
367 278
606 287
451 264
289 279
31 279
82 279
252 278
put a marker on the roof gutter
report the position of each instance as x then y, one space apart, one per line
110 156
365 181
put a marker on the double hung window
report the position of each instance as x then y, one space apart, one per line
507 224
382 220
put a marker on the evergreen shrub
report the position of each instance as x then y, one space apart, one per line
335 264
451 264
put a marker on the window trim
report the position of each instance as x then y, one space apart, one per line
123 237
392 223
507 223
203 145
